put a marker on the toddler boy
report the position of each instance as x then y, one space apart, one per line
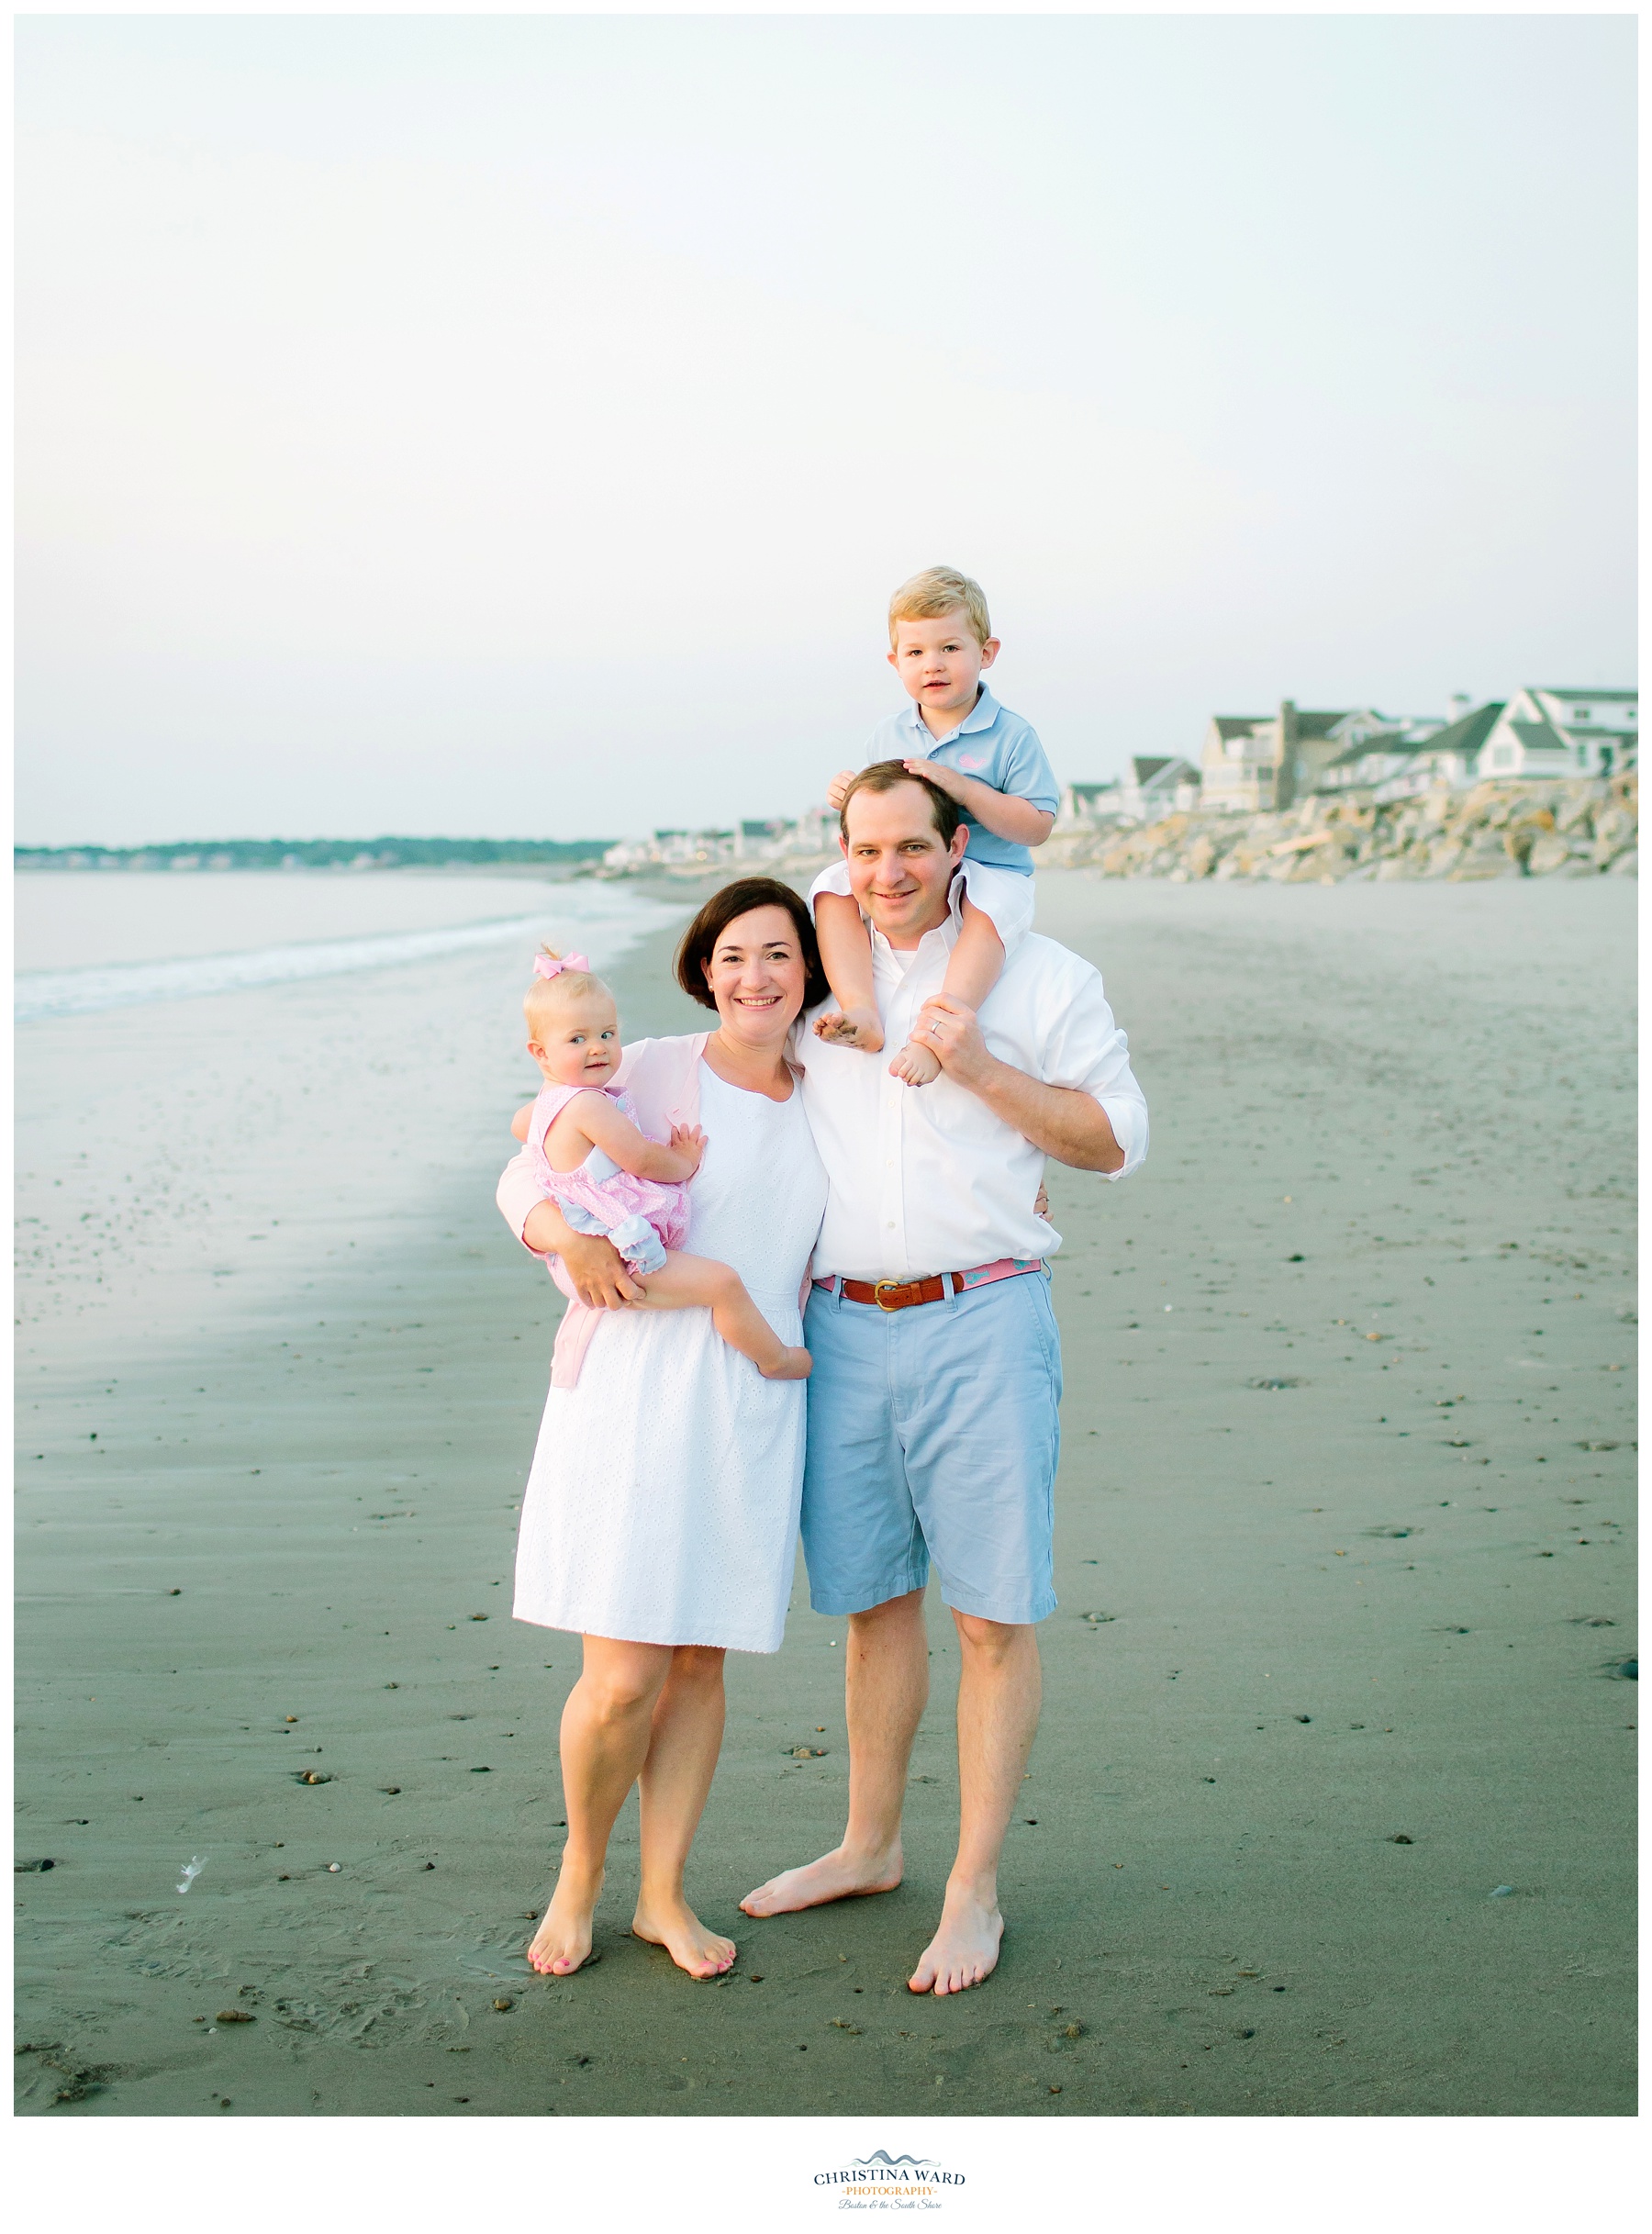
989 760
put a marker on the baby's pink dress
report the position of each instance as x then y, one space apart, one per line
643 1218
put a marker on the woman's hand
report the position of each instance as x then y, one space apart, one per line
593 1263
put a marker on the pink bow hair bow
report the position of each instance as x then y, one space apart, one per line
553 965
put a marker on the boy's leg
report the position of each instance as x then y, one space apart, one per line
689 1283
972 970
846 957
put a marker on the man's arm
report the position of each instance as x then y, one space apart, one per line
1062 1121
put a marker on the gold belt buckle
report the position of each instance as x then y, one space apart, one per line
877 1293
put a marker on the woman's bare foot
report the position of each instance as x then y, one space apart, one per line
564 1940
673 1925
837 1876
861 1028
918 1066
791 1365
964 1951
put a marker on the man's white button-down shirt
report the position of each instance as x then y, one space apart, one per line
925 1178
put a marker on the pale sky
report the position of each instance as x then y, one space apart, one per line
515 426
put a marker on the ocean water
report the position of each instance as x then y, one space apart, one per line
86 942
230 1085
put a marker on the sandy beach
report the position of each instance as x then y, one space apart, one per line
1332 1811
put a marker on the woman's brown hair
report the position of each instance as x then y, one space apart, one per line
700 941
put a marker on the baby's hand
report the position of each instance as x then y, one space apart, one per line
689 1143
837 787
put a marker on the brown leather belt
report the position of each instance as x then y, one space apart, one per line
902 1294
897 1294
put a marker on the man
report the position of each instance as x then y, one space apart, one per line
933 1426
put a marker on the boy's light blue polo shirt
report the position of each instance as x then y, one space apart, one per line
990 744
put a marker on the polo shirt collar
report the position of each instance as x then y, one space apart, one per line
985 714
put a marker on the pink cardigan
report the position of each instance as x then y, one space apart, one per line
662 1077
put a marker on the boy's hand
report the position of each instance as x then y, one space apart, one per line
936 772
837 787
689 1143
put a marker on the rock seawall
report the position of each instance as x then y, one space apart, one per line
1587 828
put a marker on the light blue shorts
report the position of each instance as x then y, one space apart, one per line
933 1434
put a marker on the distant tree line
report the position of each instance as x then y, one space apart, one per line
315 853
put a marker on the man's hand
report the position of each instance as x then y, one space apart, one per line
952 1034
837 787
593 1263
1067 1123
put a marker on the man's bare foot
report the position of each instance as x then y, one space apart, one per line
918 1066
837 1876
964 1951
564 1940
791 1365
674 1925
857 1027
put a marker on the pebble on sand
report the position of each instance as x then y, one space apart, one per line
234 2016
1401 1838
503 2003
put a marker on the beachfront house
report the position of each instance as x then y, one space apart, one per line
1156 786
1551 732
1421 756
1087 805
1255 763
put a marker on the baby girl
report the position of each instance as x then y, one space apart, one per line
604 1174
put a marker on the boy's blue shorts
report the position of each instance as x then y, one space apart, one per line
933 1435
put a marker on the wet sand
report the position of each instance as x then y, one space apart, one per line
1331 1811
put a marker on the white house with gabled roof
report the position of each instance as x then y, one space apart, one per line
1546 731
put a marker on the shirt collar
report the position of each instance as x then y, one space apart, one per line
985 714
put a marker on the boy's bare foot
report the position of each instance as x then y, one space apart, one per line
837 1876
964 1951
564 1940
791 1365
918 1066
861 1028
674 1925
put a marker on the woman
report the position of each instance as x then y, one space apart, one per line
660 1515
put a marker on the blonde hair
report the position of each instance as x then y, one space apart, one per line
544 993
935 592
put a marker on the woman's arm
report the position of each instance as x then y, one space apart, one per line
612 1131
519 1122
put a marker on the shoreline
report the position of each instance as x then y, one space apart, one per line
1307 1497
